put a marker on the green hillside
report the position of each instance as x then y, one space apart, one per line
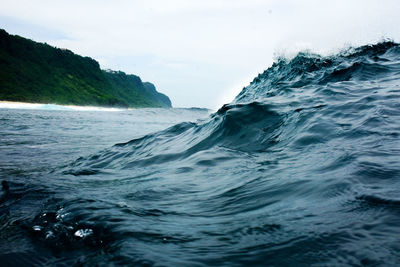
39 73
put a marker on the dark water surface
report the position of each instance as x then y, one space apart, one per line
302 168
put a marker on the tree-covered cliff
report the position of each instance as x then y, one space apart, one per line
40 73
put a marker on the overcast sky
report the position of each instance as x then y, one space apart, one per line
200 53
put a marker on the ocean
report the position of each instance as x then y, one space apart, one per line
300 169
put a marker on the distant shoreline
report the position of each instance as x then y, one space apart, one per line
51 106
4 104
37 72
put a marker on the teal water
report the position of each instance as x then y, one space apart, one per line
300 169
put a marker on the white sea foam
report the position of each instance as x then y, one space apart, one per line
22 105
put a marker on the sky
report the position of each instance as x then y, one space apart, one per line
200 53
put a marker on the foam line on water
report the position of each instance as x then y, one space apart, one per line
37 106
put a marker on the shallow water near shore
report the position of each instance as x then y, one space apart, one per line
300 169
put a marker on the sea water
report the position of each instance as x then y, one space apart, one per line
301 169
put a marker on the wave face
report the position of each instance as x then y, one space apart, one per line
301 168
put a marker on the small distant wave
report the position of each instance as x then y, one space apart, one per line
37 106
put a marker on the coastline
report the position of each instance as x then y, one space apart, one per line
49 106
4 104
